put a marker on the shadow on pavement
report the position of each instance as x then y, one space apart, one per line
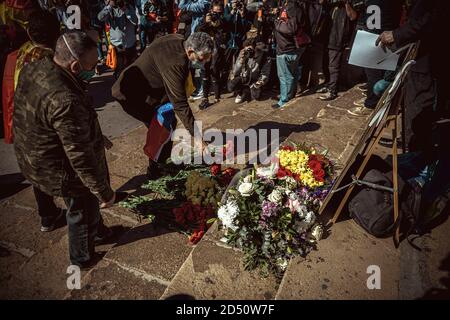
11 184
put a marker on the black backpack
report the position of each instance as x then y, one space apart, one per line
373 207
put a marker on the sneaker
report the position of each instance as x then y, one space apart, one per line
328 96
238 99
360 111
360 102
204 104
363 87
196 95
322 90
48 227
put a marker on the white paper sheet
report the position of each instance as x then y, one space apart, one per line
366 54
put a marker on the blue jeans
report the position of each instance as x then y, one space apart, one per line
83 218
289 72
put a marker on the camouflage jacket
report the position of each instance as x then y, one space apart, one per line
58 140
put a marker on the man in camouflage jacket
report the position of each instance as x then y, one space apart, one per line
58 141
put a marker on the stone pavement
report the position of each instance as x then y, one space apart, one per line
149 262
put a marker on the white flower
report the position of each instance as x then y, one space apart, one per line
248 179
227 213
291 183
317 232
267 172
246 189
310 218
282 263
276 196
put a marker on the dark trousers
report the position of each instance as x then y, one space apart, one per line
420 98
125 57
237 86
373 76
47 209
334 66
83 218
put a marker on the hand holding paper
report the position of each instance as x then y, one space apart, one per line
365 53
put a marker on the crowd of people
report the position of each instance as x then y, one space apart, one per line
179 50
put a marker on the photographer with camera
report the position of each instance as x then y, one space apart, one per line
122 18
155 18
342 18
237 27
250 72
212 76
264 20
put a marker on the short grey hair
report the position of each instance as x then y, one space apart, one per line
200 42
72 46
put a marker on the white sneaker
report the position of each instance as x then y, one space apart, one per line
238 99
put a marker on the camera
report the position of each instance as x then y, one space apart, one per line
239 4
248 53
215 16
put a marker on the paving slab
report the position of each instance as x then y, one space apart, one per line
43 276
339 269
152 249
21 229
110 281
216 272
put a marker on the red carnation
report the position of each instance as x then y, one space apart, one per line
215 169
196 236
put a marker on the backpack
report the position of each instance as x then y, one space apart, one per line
373 207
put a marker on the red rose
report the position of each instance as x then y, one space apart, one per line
281 173
314 165
215 169
319 175
179 215
287 148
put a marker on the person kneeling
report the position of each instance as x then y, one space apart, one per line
250 72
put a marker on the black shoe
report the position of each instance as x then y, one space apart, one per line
276 106
50 226
328 96
204 104
154 171
105 234
87 265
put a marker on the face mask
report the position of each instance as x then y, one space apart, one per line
86 75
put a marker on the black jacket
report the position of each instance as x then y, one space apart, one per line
341 28
286 30
158 76
390 15
420 27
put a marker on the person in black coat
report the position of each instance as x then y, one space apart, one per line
428 77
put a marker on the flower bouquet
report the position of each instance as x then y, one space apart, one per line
270 213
